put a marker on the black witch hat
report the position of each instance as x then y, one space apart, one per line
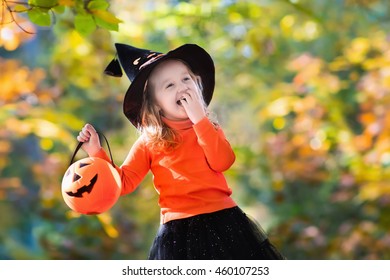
139 63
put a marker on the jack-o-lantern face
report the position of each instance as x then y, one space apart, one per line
91 186
86 188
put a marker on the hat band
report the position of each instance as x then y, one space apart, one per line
151 61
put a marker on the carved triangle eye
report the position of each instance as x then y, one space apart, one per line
76 177
83 164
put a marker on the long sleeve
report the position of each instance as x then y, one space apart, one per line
217 149
134 168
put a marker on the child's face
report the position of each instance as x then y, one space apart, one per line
168 82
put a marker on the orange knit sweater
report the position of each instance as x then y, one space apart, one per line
189 179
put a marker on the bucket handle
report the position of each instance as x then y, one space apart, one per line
81 143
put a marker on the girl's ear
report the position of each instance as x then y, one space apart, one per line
198 81
157 108
155 105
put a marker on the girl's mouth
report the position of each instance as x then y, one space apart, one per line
179 101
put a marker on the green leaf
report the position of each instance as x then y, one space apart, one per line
84 24
43 3
106 16
106 25
40 16
59 9
20 8
106 20
98 5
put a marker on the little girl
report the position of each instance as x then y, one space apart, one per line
186 152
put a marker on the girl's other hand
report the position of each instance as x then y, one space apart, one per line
193 106
90 138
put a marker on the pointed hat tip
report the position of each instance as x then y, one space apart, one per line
113 69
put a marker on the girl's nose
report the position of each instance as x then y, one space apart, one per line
182 87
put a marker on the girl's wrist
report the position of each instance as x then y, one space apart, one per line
94 152
198 119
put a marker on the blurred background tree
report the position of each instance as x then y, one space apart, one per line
302 93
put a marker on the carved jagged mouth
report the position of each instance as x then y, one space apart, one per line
85 188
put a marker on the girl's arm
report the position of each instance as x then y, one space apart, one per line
134 168
217 149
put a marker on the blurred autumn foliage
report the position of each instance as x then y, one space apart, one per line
303 94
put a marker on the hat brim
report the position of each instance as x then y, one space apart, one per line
199 61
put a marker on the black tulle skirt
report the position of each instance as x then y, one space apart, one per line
221 235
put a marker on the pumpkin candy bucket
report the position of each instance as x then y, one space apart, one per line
91 185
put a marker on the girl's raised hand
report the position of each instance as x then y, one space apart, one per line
90 138
193 106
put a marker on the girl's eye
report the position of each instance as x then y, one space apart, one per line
187 78
169 85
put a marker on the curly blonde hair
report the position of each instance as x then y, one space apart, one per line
159 136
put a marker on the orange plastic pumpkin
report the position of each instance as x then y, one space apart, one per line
91 186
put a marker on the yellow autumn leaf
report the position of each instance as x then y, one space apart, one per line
106 221
106 16
374 190
287 24
358 50
376 63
